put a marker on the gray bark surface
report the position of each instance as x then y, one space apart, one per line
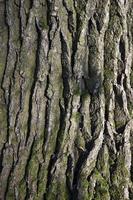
66 99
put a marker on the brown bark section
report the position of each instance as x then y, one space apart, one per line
66 99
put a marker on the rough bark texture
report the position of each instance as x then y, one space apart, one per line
66 99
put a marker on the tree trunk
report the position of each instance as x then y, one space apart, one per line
66 99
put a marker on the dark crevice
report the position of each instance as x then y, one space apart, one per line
66 72
1 157
21 27
119 144
121 69
89 177
61 130
31 3
44 196
122 49
81 121
27 195
131 169
130 193
121 129
50 175
106 113
74 50
8 112
98 24
71 22
47 115
125 82
90 25
15 67
119 79
47 85
118 96
69 176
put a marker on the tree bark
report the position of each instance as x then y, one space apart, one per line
66 99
